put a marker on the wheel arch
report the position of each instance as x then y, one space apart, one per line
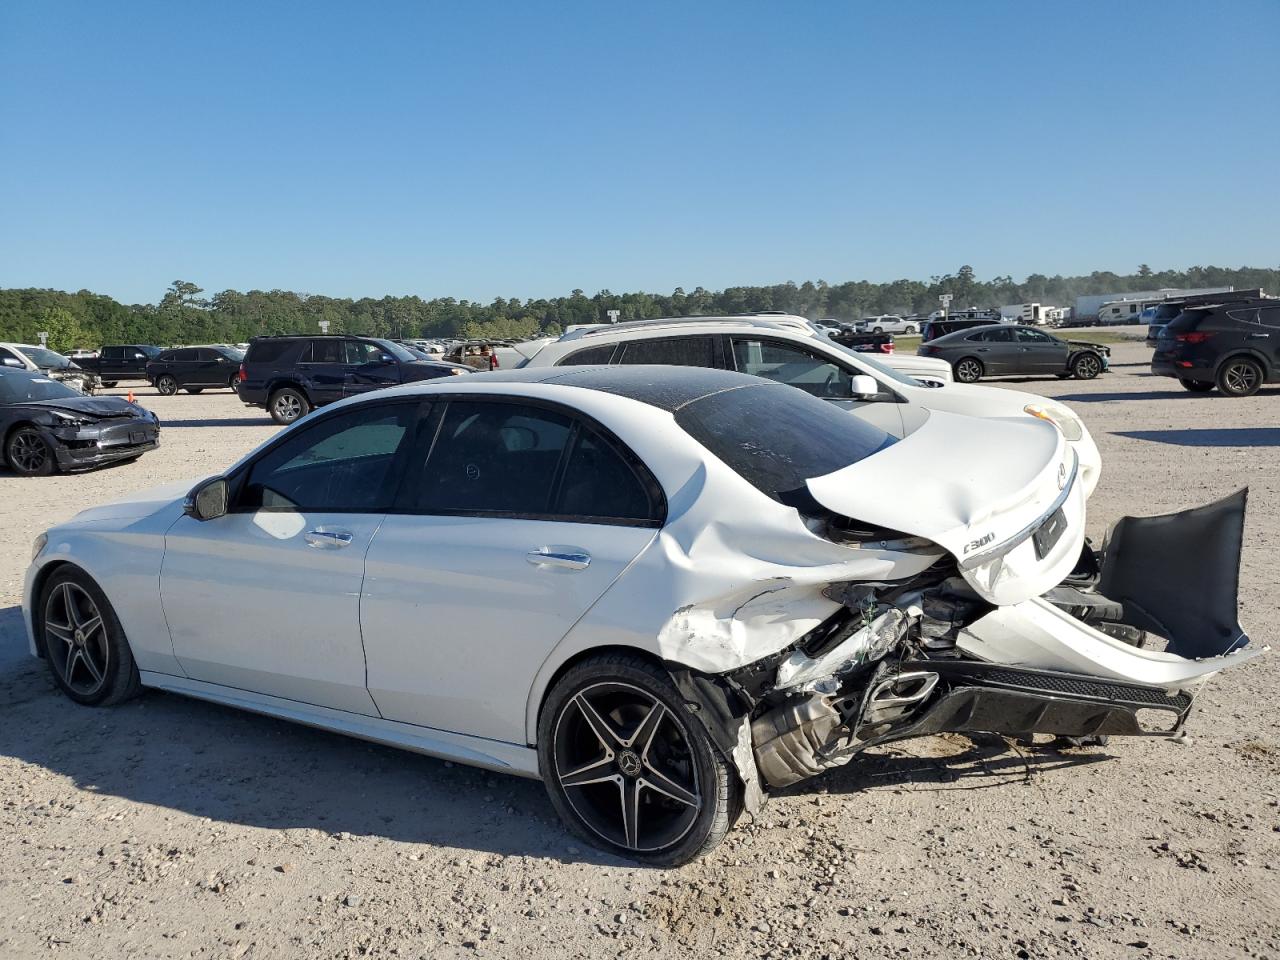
552 670
1268 370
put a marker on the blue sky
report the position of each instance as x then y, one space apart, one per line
524 149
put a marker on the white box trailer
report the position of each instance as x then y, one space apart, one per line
1034 314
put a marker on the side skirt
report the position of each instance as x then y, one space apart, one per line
493 755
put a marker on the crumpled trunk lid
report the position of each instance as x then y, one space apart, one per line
1001 495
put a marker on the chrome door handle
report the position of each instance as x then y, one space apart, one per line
327 539
569 560
1258 336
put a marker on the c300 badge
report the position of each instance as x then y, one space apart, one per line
980 542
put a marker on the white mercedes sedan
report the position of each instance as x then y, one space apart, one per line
664 591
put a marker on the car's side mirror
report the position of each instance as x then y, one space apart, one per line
863 387
208 500
13 362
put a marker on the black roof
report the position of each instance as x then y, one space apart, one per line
667 388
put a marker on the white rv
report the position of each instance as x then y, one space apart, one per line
1034 314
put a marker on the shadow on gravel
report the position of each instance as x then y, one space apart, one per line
235 767
1216 437
984 761
1176 394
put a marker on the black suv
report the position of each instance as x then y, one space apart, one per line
1234 346
290 376
194 369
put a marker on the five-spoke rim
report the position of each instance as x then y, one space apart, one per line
626 766
77 639
1241 377
28 451
288 406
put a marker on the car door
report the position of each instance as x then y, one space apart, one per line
514 518
803 368
369 367
1039 352
322 368
1266 339
996 349
205 368
267 597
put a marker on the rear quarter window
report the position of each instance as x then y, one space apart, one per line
799 438
268 351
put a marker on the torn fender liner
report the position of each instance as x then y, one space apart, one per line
725 714
1178 575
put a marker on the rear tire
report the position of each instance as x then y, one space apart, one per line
1240 377
968 370
83 642
166 386
649 785
29 454
288 405
910 331
1086 366
1197 386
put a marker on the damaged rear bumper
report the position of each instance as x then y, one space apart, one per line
907 661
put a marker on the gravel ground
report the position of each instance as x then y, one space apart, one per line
172 828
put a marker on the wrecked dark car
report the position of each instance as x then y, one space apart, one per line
48 427
688 586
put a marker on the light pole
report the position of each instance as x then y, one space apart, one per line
945 300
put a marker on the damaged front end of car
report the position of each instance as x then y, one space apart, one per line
931 654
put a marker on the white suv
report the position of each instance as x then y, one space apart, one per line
887 323
790 350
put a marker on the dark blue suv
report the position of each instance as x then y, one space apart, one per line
1233 346
290 376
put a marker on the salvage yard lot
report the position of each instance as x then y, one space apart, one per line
169 827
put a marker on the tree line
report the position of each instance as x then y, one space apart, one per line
184 315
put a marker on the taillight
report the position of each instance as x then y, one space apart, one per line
243 376
886 347
1194 336
925 350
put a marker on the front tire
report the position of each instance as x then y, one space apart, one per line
1240 377
968 370
166 385
84 644
1197 386
629 769
1086 366
288 405
29 454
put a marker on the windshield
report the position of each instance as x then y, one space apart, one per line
397 351
801 437
878 366
46 359
231 353
151 352
18 387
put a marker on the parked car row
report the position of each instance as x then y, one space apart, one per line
1004 349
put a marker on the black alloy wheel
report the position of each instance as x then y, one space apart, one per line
83 642
167 386
629 768
29 454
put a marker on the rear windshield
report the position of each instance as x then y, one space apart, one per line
777 437
1165 312
1187 320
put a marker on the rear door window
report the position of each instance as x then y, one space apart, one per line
671 351
590 357
493 458
324 351
1269 317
